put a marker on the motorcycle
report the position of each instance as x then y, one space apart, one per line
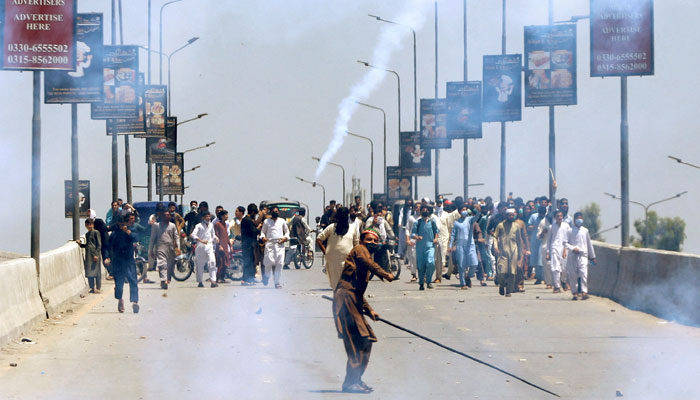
235 268
394 257
184 263
141 263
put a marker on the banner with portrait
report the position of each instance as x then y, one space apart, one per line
502 93
414 160
433 122
464 110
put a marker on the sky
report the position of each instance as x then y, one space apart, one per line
271 74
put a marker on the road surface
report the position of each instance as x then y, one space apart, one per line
258 342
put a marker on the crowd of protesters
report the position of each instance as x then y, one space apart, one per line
474 239
507 242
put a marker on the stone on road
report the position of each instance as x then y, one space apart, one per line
260 342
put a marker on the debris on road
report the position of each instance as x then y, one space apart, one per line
13 364
618 393
27 340
142 337
550 356
259 311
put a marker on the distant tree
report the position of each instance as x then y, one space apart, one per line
591 220
660 233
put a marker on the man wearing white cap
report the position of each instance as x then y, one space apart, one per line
558 236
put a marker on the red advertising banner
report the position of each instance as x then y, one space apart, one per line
622 37
38 34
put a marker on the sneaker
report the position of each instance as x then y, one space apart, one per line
278 286
574 298
502 290
163 285
120 305
537 282
483 283
464 287
421 287
97 291
430 286
446 276
507 294
214 284
200 284
135 307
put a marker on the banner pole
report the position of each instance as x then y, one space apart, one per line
36 172
75 179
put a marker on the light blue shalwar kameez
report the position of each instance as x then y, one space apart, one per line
425 249
462 238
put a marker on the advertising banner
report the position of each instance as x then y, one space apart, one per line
163 150
400 186
464 110
502 88
433 122
170 176
84 85
84 198
120 80
38 35
550 67
414 160
131 126
156 108
622 37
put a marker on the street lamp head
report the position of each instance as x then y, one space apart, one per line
316 159
313 184
365 63
194 39
375 17
202 115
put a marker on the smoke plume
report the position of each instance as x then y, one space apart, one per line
390 40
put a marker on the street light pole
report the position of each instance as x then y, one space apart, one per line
384 116
170 88
160 41
437 151
465 156
398 83
199 147
339 166
646 207
371 157
502 195
415 84
314 184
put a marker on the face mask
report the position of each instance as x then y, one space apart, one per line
275 215
372 247
425 214
579 222
465 214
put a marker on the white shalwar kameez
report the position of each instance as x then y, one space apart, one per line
558 235
411 250
204 253
577 264
546 264
274 230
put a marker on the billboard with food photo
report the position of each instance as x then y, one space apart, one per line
131 126
156 103
400 186
550 67
433 123
622 37
464 110
170 176
163 150
84 85
414 160
502 94
120 80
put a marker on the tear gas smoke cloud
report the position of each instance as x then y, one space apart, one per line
390 40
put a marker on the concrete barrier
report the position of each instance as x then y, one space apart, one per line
20 303
7 255
602 277
662 283
61 277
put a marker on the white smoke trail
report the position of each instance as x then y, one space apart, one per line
390 40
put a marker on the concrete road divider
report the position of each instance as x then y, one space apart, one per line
602 277
20 303
61 277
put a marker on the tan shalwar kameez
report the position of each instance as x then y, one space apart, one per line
508 243
349 305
